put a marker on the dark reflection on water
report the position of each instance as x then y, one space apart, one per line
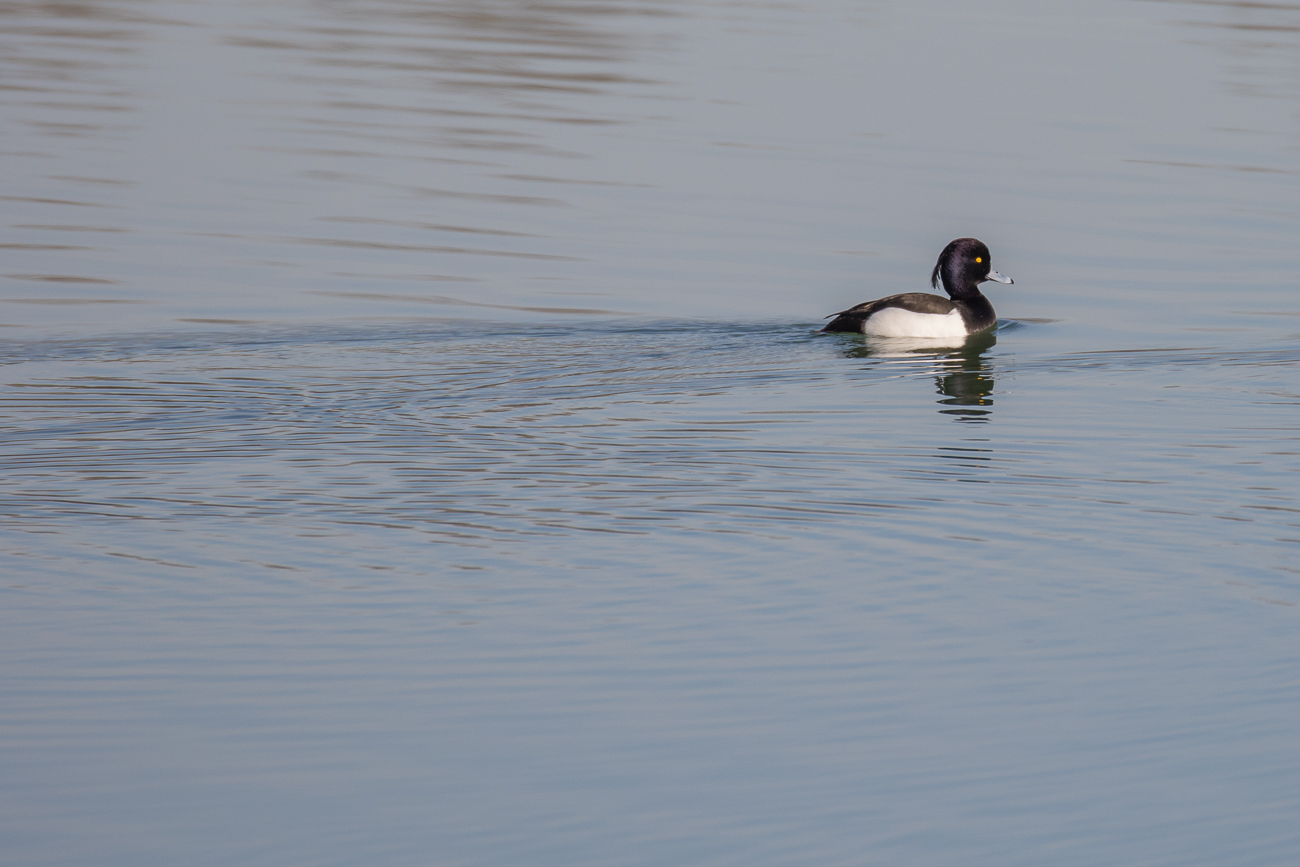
962 374
969 385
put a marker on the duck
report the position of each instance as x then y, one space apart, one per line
963 265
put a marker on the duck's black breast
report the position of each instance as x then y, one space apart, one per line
915 302
977 313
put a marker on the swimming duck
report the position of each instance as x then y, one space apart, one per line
962 266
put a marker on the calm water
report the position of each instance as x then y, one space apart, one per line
419 449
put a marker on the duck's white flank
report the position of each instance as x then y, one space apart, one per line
897 322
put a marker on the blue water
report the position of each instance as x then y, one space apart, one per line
419 447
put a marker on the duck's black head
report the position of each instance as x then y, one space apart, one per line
963 266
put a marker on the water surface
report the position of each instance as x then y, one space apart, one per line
419 447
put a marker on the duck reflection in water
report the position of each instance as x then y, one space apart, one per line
962 373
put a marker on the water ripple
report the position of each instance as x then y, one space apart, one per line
481 433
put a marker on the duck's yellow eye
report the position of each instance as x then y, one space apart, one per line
979 258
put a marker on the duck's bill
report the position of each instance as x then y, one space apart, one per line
994 275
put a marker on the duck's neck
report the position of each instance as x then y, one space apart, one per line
956 284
